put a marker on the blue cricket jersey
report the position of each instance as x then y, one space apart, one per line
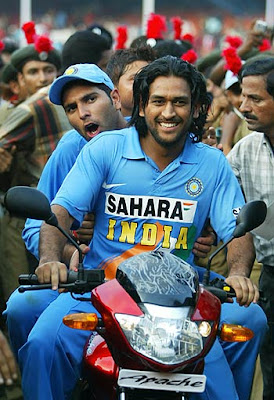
140 208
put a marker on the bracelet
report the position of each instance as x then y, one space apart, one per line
75 235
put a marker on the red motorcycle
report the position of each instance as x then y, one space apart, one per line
156 324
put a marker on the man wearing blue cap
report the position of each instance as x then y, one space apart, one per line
92 105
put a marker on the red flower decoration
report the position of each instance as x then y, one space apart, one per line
29 30
177 27
156 25
234 41
121 37
266 45
43 44
2 45
190 56
188 37
233 61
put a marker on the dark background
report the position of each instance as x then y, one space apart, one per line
124 7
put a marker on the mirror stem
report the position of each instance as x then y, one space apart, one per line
207 271
71 240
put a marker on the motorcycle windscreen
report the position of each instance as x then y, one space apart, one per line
159 277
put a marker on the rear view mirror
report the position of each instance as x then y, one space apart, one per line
251 215
27 202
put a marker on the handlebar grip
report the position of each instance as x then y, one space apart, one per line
91 278
221 289
221 284
28 279
32 279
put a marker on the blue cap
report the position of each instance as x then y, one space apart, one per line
87 72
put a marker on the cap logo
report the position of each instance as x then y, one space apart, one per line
97 31
71 71
43 55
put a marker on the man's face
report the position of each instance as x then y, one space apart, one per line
125 86
37 74
168 112
90 110
257 105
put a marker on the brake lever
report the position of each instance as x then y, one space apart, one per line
93 278
76 287
22 289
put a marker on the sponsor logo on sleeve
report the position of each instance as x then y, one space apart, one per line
236 211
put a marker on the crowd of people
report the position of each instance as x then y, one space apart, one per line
171 120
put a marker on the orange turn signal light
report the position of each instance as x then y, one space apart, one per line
84 321
235 333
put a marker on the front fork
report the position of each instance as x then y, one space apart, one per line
122 394
139 394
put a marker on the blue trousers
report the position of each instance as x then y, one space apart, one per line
50 353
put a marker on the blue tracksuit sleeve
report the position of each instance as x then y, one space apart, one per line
55 171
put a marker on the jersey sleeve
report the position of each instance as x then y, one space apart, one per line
81 186
226 201
54 173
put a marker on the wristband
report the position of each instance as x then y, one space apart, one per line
75 235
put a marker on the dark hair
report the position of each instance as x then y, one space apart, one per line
263 66
140 41
171 66
122 58
82 82
235 88
83 47
170 47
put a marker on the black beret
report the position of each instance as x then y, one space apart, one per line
28 53
10 45
101 31
83 47
8 73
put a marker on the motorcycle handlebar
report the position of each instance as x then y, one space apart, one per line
220 289
32 279
223 291
91 279
94 278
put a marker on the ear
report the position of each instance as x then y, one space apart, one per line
14 87
115 96
20 78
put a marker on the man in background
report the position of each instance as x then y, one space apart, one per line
252 160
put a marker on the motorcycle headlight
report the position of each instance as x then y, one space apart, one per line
164 334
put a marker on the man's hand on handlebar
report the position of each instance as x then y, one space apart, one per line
52 272
246 291
56 272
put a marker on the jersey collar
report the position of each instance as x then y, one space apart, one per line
133 150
